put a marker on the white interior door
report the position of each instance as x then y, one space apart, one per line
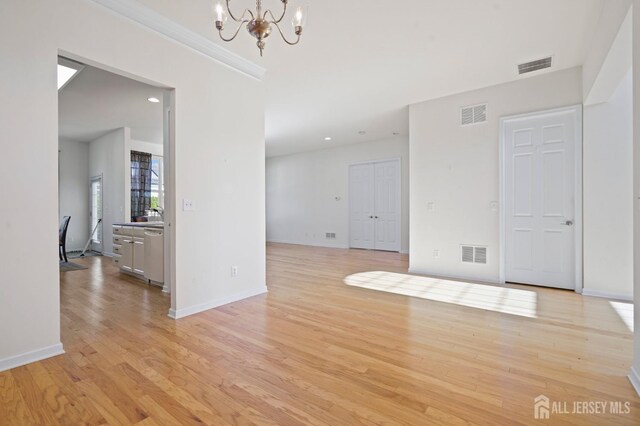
387 205
374 200
540 198
361 206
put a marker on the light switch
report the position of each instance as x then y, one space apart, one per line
494 206
188 205
431 207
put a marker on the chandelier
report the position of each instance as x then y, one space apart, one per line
260 24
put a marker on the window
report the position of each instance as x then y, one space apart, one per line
157 182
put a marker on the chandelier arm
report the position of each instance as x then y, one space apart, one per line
290 43
234 34
241 16
277 21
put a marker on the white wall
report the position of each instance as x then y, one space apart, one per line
301 192
73 191
456 168
635 369
107 158
611 18
608 194
216 163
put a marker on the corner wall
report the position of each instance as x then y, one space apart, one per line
608 195
217 163
106 159
456 169
302 190
73 191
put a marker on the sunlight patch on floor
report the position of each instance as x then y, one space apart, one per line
480 296
625 312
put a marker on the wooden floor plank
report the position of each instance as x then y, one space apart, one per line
317 351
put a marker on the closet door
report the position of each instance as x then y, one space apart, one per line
361 206
387 205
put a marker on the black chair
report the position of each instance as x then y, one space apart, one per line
62 237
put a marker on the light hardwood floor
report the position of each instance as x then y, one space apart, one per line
317 351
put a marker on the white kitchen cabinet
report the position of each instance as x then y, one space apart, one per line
126 257
131 255
138 255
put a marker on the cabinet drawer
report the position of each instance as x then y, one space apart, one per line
117 239
138 232
117 230
117 260
117 249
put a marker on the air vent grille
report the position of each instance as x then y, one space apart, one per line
331 235
473 114
537 65
474 254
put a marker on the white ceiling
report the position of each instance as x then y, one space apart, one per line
361 63
96 102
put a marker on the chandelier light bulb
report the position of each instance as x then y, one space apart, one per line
299 18
221 16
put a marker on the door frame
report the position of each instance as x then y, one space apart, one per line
383 160
578 214
99 178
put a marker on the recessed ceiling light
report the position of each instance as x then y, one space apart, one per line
396 134
328 139
362 132
153 100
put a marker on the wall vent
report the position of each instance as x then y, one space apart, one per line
331 235
473 254
536 65
473 114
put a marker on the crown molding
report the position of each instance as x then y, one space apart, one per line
153 20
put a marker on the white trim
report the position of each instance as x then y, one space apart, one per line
155 21
185 312
29 357
606 295
634 378
578 190
473 278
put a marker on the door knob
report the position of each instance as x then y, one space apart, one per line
567 223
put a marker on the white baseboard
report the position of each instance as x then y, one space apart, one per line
634 378
29 357
454 277
107 254
603 294
185 312
311 244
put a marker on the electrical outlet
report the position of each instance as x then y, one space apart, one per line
431 207
188 205
436 253
234 271
494 206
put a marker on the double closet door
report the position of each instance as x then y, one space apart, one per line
374 205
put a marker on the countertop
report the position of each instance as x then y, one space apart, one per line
157 225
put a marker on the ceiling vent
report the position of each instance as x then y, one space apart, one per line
473 114
474 254
536 65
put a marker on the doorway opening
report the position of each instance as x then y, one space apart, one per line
115 144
